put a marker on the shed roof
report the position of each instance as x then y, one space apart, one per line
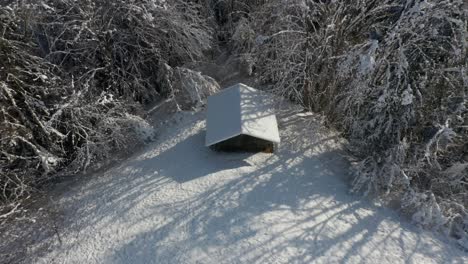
240 110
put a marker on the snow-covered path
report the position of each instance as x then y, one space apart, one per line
179 202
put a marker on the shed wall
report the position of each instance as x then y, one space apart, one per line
245 143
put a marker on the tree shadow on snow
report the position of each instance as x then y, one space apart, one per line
292 208
261 216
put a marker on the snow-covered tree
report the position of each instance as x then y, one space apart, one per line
74 76
392 75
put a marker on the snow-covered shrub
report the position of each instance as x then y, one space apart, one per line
74 75
231 17
124 41
243 37
406 112
191 88
392 75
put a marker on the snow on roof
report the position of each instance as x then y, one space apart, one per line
240 110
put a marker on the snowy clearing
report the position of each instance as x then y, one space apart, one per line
179 202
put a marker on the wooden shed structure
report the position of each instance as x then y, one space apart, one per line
240 118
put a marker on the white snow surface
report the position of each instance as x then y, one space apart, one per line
180 202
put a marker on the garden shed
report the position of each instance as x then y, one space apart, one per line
241 118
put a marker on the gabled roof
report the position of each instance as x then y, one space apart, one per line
240 110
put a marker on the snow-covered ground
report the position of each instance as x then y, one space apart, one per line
179 202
